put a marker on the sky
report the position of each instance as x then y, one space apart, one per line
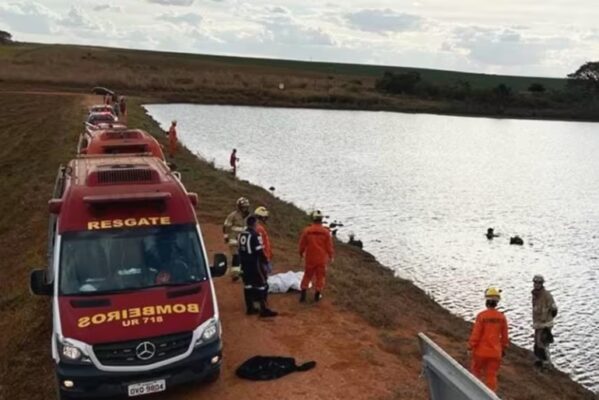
514 37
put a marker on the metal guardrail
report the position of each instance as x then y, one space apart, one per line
447 379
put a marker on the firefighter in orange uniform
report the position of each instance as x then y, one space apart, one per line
316 247
261 214
172 139
489 340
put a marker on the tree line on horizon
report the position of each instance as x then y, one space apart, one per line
5 37
582 86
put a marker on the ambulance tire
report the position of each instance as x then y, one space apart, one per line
213 376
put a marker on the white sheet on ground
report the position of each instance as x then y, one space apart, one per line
283 282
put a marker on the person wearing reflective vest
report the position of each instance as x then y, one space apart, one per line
251 255
262 214
488 340
544 310
235 224
316 247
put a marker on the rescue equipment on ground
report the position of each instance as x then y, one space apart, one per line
264 368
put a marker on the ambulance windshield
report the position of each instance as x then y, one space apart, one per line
100 117
114 260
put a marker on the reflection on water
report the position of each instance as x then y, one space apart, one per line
421 191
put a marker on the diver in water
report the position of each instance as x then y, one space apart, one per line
490 234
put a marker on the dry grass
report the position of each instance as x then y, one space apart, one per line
37 134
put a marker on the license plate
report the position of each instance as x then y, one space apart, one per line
139 389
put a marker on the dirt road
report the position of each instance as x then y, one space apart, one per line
349 364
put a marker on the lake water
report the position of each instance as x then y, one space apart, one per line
421 190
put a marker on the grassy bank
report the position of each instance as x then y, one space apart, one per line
39 132
175 77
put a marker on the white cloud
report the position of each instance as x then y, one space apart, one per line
504 47
28 17
285 30
384 21
107 7
279 10
432 34
77 18
172 2
191 19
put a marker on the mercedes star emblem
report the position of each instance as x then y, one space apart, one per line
145 350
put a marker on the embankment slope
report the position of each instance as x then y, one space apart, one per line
178 77
362 335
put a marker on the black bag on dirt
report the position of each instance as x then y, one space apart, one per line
261 368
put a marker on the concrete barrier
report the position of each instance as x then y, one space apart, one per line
447 379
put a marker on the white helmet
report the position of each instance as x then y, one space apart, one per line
242 202
316 215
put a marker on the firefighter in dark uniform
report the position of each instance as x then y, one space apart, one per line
253 262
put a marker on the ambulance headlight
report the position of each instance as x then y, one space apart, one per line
72 352
210 332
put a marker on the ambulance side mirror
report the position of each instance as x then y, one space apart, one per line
38 284
219 267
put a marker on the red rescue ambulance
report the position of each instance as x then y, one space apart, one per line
133 302
102 126
119 141
99 108
96 118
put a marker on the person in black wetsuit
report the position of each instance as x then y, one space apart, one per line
490 234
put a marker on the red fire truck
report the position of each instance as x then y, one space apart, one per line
119 141
133 302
